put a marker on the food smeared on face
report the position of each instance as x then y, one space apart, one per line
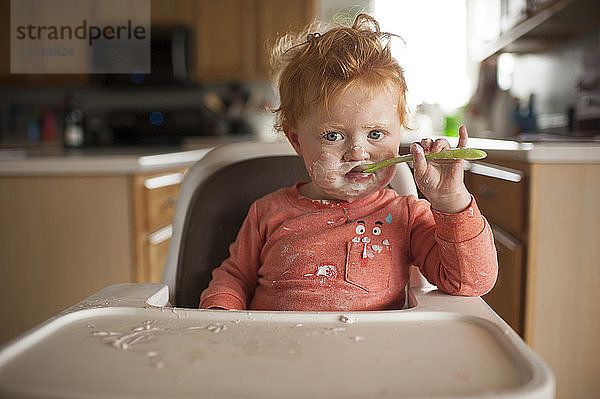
361 127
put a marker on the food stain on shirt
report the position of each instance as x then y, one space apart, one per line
327 274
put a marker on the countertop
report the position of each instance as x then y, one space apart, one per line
119 160
54 160
568 151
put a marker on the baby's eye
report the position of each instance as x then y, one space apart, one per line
376 230
375 135
332 136
360 229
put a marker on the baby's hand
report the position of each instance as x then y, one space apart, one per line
441 181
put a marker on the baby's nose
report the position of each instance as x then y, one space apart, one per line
356 153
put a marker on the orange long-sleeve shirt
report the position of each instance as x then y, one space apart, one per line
293 253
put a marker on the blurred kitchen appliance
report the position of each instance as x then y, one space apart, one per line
171 60
164 127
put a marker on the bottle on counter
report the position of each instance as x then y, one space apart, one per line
529 122
49 125
74 134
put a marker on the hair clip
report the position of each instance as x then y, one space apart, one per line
312 36
309 39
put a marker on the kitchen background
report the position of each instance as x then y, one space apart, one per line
75 216
218 83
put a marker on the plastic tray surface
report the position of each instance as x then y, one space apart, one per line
171 352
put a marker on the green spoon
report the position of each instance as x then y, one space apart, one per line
470 154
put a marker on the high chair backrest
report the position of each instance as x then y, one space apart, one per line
214 199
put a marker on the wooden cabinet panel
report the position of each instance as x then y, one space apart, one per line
160 204
30 79
169 12
500 199
229 36
506 298
501 193
232 35
562 306
62 238
154 200
276 18
548 274
225 39
157 248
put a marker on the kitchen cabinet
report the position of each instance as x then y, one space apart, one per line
539 26
169 12
226 40
62 238
277 17
507 296
19 79
231 35
67 233
501 194
548 228
154 199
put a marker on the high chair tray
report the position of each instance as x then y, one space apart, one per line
128 352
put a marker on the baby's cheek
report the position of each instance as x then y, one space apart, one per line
386 174
325 169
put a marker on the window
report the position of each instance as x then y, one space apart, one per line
434 55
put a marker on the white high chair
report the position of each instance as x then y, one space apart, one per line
148 340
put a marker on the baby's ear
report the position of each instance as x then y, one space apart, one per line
292 136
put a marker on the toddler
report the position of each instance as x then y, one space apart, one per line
343 241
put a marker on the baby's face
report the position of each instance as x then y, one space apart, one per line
361 128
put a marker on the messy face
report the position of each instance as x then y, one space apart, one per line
361 127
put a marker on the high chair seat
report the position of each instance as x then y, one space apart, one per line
148 340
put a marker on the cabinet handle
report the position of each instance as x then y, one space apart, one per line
161 235
163 181
505 238
495 171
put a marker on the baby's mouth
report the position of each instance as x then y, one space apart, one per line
357 174
358 169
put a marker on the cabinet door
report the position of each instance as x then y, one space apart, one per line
160 200
226 39
232 35
30 79
156 249
169 12
154 199
501 194
506 298
276 18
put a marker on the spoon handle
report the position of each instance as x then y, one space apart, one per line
470 154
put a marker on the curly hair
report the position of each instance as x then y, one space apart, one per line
311 68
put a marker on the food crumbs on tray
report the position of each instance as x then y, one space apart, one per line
216 327
333 330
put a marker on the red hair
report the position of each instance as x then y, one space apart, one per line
312 68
